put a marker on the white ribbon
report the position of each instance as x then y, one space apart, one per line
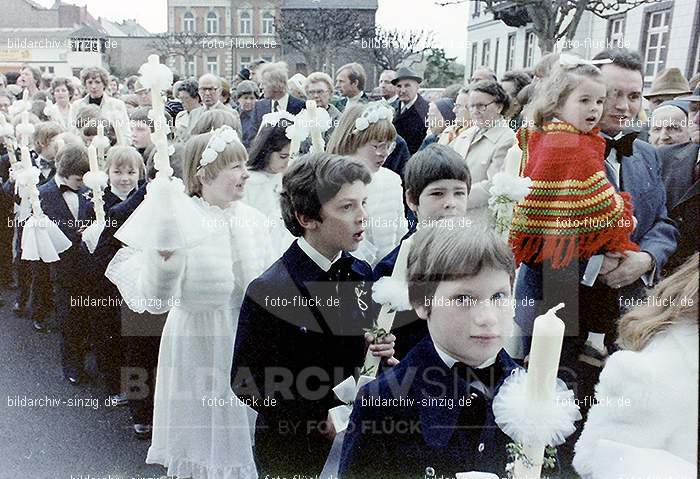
346 391
567 60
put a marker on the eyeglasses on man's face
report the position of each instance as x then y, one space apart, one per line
479 106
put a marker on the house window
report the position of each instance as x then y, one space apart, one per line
616 32
656 42
267 19
267 58
188 22
510 52
190 69
213 65
246 23
529 49
245 61
212 22
474 58
476 8
486 53
495 56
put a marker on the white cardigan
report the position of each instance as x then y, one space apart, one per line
647 399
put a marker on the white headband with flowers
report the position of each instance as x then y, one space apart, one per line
217 143
568 61
375 112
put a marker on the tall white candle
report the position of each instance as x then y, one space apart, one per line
512 161
100 149
543 365
92 157
316 137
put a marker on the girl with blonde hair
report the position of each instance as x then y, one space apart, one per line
366 134
646 420
200 429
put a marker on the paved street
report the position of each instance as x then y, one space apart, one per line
69 432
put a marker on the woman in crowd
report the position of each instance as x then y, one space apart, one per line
645 423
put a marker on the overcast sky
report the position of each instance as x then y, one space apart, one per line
448 23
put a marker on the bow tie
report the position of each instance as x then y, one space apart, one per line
341 269
95 101
488 376
622 146
45 164
64 188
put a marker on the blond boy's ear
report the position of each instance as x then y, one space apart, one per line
422 311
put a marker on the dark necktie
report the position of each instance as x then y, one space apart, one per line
622 146
275 105
64 188
95 101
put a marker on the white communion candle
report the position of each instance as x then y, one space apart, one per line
92 156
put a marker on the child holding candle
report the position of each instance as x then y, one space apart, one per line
437 183
125 169
40 302
304 317
366 133
433 412
64 201
200 430
268 160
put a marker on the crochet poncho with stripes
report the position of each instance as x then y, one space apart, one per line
572 210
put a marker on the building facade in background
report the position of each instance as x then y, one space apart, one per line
63 39
665 33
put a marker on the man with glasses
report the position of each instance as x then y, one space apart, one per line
411 109
210 93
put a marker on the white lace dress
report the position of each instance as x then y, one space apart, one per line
200 429
386 223
262 192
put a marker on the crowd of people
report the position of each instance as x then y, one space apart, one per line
227 351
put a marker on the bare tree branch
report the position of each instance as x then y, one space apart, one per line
180 44
390 48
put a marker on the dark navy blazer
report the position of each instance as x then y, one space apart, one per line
313 348
404 440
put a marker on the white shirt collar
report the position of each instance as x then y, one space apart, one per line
406 106
450 361
122 196
320 260
282 102
392 99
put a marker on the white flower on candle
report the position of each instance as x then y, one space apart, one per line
24 129
155 75
100 142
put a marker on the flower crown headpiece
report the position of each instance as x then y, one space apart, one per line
374 112
568 61
217 143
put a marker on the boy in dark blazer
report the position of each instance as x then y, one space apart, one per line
437 184
432 414
301 325
64 201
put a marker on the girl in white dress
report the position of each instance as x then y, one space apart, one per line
267 162
366 133
200 429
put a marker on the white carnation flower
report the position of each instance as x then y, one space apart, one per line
228 134
361 123
373 116
208 156
217 144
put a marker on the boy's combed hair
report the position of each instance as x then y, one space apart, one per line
451 250
72 160
194 176
121 156
270 139
313 180
434 163
45 132
551 93
346 141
